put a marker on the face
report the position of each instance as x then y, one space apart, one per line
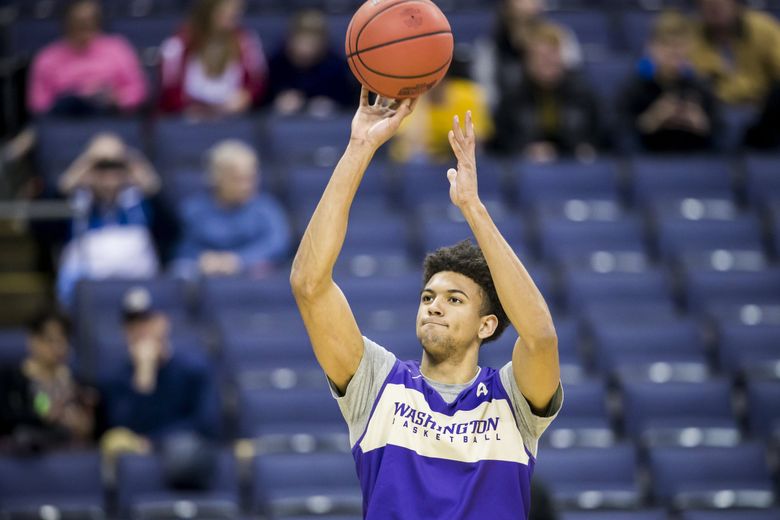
227 15
50 346
524 9
670 55
153 329
83 23
236 182
545 64
719 14
449 318
106 183
306 48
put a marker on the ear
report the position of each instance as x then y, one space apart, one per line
488 325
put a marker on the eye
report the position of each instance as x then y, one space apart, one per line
426 298
455 300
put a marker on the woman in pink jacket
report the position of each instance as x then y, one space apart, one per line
212 67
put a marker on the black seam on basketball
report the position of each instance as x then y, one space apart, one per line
398 41
364 80
403 77
367 22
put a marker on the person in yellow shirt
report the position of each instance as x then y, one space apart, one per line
423 135
738 50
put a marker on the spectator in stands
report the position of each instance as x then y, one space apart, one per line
499 61
42 407
738 50
306 73
423 135
669 108
87 72
110 186
553 113
160 394
213 66
233 230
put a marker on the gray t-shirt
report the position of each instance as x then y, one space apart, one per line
376 364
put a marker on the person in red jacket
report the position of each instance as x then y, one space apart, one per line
212 66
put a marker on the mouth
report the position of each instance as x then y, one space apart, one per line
431 322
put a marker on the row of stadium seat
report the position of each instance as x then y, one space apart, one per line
300 482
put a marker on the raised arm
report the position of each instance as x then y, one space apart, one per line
332 328
535 356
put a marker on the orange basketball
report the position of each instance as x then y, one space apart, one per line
399 48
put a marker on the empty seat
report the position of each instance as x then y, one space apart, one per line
142 489
677 177
307 140
607 77
561 237
764 408
248 326
13 346
305 185
376 231
599 477
617 342
636 26
592 28
293 410
584 286
697 477
703 287
471 26
499 352
649 408
564 180
427 182
763 182
734 514
649 514
67 482
305 484
221 293
180 142
586 406
747 336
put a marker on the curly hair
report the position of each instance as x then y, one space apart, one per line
467 259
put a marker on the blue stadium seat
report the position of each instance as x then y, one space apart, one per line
649 407
586 286
636 27
242 352
619 343
294 410
141 487
586 406
425 183
271 28
703 287
605 477
733 514
305 185
773 216
307 140
382 292
223 293
563 180
691 478
747 337
560 238
68 481
377 232
498 353
180 142
30 35
60 141
146 33
763 406
470 27
680 235
443 224
305 484
244 326
608 77
649 514
13 346
762 177
678 177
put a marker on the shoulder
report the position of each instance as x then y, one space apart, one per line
50 54
115 42
760 21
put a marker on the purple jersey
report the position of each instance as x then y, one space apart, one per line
420 457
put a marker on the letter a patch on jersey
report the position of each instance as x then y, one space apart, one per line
481 390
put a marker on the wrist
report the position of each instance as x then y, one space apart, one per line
472 208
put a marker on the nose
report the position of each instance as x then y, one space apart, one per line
434 309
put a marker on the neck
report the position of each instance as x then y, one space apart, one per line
451 370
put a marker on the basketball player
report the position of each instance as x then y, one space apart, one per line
442 438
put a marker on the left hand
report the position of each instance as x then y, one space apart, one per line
463 180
